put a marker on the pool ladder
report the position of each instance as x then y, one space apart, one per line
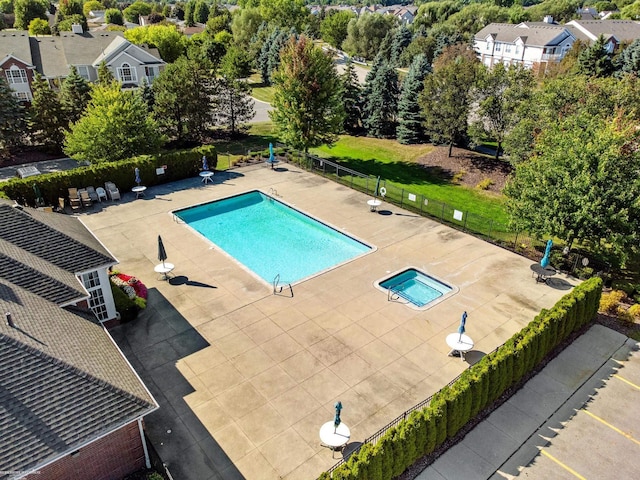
274 192
277 288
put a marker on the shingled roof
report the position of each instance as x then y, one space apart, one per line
54 238
63 381
532 33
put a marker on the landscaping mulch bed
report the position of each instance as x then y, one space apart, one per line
467 167
629 329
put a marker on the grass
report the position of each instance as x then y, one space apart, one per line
397 164
260 91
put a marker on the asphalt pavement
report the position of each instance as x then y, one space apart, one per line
577 418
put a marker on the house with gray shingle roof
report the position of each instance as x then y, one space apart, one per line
52 56
527 43
71 406
541 43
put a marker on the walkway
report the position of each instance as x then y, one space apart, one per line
525 427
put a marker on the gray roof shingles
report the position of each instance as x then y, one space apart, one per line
63 382
15 43
36 237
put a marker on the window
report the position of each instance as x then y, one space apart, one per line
151 73
507 48
22 96
91 282
126 73
517 48
498 47
16 75
488 45
83 71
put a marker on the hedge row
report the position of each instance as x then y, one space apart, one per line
178 164
477 388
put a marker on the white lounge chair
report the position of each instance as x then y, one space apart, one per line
112 191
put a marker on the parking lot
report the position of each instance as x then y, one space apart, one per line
600 439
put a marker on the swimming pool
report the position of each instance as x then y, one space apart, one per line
271 238
416 287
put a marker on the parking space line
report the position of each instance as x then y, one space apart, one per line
566 467
637 387
615 429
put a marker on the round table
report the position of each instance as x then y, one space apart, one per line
139 190
374 204
459 343
206 176
164 269
542 273
335 438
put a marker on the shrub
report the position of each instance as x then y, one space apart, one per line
126 307
625 315
609 301
458 176
634 311
485 184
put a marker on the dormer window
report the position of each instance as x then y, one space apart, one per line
126 73
16 75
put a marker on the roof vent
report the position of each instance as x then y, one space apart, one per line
9 320
77 28
548 19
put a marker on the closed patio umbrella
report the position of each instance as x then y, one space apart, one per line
38 194
544 263
336 420
138 179
375 194
205 164
463 321
162 253
272 158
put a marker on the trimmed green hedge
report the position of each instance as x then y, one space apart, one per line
476 389
179 164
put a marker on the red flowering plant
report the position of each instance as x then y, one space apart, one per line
131 286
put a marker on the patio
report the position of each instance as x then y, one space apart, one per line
246 378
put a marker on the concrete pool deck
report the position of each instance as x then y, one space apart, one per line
245 379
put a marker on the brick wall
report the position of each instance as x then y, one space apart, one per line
110 458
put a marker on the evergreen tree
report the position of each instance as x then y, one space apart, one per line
308 109
410 120
381 108
235 105
200 12
351 99
386 46
146 93
11 118
115 126
263 57
401 40
274 53
595 61
369 78
184 96
189 10
74 95
47 120
630 58
105 77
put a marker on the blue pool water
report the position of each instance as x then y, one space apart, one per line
416 287
271 238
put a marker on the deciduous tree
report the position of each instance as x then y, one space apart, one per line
27 10
235 105
365 34
446 97
334 27
133 12
308 108
38 26
166 38
581 184
114 16
244 25
501 93
116 126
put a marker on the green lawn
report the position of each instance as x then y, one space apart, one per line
260 91
396 164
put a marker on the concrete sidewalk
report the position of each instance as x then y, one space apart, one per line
510 437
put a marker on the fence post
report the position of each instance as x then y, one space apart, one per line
515 242
421 203
490 227
401 197
442 214
464 227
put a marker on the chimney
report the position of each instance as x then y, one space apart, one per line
77 28
9 320
548 19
